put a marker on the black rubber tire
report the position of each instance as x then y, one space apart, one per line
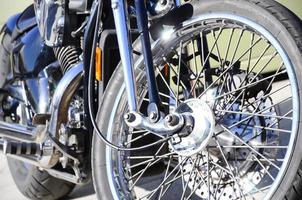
36 184
32 182
280 22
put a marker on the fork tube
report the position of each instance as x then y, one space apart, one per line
125 48
142 22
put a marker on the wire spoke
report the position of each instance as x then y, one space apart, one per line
263 167
151 160
226 70
250 147
166 173
206 59
243 81
166 84
229 166
250 84
163 182
256 114
261 111
137 138
187 183
178 76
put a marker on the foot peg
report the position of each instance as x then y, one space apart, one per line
22 148
41 119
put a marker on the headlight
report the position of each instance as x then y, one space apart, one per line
50 16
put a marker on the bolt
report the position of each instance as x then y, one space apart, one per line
129 117
153 116
163 2
169 118
172 120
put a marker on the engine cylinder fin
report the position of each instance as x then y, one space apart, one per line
67 57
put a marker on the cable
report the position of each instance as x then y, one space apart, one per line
97 130
91 103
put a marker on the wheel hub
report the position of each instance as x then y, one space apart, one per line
200 133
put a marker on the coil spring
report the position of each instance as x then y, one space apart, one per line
67 57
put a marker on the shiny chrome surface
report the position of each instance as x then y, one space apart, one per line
58 109
44 95
126 51
62 97
44 87
78 5
223 143
202 130
161 8
17 132
161 128
51 20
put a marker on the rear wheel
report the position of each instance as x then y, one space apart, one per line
37 184
236 66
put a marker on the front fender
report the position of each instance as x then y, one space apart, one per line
171 20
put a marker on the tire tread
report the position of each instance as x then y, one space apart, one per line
293 24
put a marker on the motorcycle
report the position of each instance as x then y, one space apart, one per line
153 99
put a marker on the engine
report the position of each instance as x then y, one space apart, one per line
58 18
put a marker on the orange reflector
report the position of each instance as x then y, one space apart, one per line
166 70
98 64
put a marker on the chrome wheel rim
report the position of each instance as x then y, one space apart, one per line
120 184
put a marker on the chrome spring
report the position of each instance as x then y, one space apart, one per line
67 57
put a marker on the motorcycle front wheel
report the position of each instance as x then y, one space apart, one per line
236 62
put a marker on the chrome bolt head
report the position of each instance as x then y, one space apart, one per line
153 115
129 117
172 120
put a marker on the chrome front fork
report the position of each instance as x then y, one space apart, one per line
163 126
125 48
